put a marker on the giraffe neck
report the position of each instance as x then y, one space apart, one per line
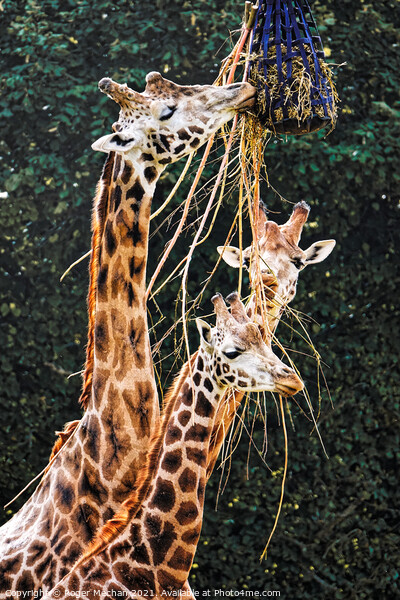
173 508
121 345
100 205
96 471
155 549
124 396
267 318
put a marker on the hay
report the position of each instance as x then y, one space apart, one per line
302 107
287 64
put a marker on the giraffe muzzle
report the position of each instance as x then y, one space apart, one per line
290 386
247 102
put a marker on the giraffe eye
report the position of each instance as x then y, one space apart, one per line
167 112
297 262
231 354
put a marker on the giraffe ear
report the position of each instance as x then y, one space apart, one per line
230 255
205 335
114 142
319 251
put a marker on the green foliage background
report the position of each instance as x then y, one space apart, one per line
338 536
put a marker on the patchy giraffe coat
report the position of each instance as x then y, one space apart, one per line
96 469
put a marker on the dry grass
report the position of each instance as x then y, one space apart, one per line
242 169
297 92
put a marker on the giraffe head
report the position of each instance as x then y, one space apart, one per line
168 121
237 355
279 253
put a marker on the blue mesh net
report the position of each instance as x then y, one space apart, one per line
295 91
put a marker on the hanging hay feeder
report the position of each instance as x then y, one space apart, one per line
296 94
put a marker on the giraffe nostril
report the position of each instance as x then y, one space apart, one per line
287 371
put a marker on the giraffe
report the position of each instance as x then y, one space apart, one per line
277 263
276 259
278 248
96 469
148 547
274 263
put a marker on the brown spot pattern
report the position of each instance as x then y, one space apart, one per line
135 580
173 434
196 456
172 461
187 513
90 486
168 582
162 543
203 407
164 495
181 560
101 336
91 444
191 536
184 417
197 433
187 480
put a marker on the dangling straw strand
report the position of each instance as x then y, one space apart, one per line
176 186
236 53
74 264
171 244
283 479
